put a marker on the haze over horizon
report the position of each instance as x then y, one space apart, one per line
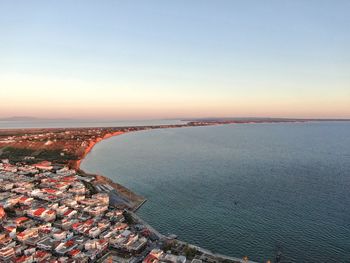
207 118
157 59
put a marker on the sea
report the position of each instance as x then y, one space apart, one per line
250 190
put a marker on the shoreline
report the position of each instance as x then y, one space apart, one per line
133 211
76 164
136 200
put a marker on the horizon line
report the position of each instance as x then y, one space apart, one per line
212 118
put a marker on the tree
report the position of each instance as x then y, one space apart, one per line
190 252
128 218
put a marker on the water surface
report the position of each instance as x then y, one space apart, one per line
244 189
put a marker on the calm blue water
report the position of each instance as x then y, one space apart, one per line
241 189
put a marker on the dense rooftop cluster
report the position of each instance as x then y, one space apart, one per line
48 215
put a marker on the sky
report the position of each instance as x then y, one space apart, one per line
173 59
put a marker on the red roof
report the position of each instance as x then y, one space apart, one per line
21 234
101 241
23 199
21 219
121 226
76 225
69 243
9 228
2 212
69 178
46 230
74 252
68 212
39 211
150 259
43 163
21 259
50 180
49 190
89 222
41 254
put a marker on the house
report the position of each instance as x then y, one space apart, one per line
41 256
59 235
10 230
44 165
20 221
94 232
74 253
25 200
26 234
2 213
6 253
103 198
70 213
66 247
43 214
24 259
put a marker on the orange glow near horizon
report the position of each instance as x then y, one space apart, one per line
55 98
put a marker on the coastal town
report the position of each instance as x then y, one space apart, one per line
52 211
49 215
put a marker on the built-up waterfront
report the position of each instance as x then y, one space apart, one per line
51 213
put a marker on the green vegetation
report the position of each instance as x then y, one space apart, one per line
128 218
15 154
190 252
18 154
168 246
55 155
90 187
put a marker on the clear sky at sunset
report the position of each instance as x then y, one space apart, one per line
168 59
